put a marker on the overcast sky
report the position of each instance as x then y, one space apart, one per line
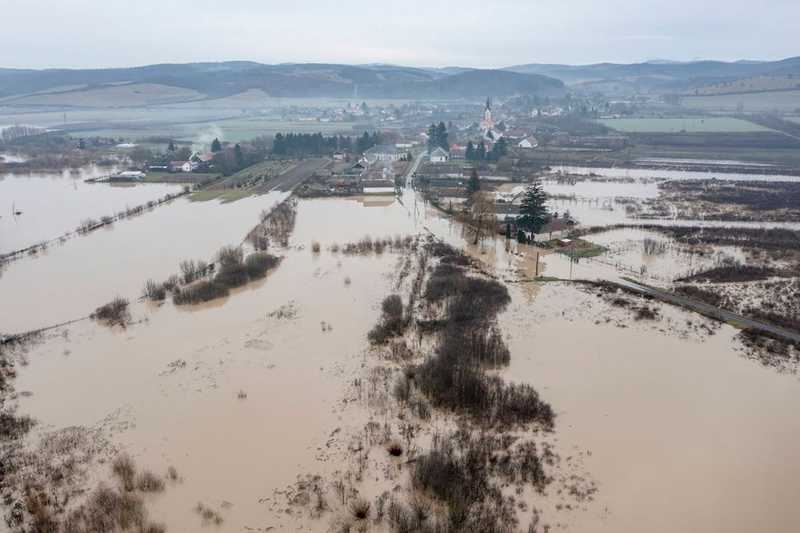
479 33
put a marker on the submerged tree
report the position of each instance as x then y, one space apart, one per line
482 215
533 211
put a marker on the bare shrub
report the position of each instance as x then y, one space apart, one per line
395 449
208 514
172 474
202 291
149 482
230 256
12 426
258 264
124 469
114 312
154 291
392 321
360 508
172 283
315 247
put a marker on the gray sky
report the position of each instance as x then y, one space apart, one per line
480 33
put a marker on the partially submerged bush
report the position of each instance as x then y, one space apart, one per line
392 321
201 291
360 508
114 312
258 264
13 426
154 291
149 482
124 469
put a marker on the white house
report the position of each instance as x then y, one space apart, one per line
182 166
384 152
528 142
439 155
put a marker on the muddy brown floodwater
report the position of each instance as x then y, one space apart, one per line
52 204
245 394
70 280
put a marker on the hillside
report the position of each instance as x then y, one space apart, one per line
185 82
661 76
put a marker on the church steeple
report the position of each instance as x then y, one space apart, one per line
487 123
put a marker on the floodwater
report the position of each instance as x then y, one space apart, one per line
70 280
294 374
605 203
681 434
52 204
664 261
669 174
678 431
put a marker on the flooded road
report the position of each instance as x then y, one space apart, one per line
52 204
244 394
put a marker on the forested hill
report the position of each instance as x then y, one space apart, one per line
198 80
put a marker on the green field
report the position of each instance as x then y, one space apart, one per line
678 125
231 130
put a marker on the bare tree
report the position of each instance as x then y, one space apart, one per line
482 214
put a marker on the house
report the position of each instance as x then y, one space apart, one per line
528 142
338 156
181 166
385 152
439 155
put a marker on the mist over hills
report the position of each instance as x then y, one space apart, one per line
199 81
215 80
662 75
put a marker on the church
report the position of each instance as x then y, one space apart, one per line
487 124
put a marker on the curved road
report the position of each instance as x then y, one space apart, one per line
711 311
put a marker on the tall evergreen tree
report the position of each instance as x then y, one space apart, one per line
470 153
432 137
533 211
237 150
216 146
171 147
480 154
441 136
474 183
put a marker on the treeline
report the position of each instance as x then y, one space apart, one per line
479 152
12 133
302 144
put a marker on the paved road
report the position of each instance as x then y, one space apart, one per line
711 311
296 175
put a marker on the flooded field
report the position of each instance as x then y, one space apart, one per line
247 395
50 204
669 174
70 280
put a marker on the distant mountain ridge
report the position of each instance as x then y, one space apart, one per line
297 80
661 75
